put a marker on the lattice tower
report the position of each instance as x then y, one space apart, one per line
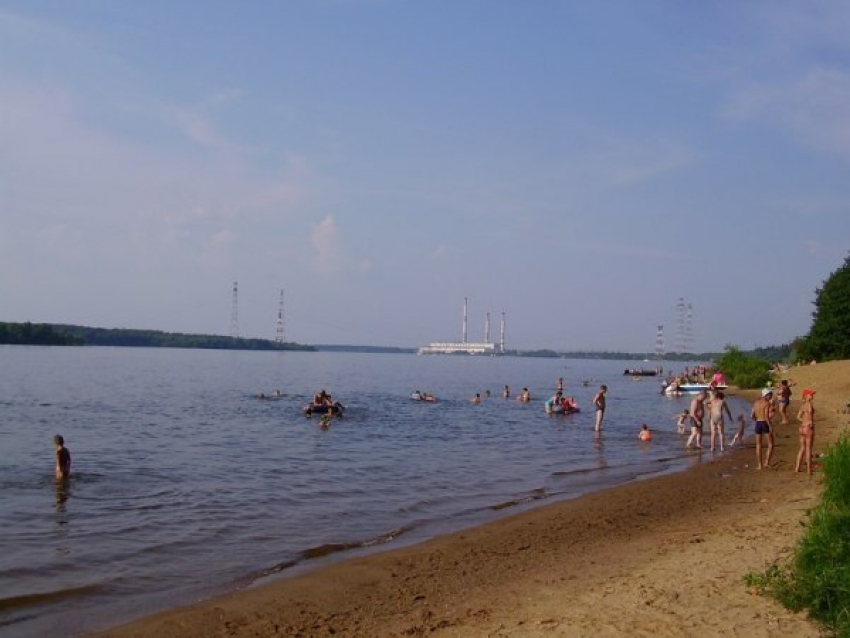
234 314
279 333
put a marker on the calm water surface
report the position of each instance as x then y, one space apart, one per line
185 485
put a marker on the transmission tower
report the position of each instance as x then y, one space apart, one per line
279 335
680 326
659 344
502 334
689 330
465 304
234 315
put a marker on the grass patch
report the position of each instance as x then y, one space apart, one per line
817 577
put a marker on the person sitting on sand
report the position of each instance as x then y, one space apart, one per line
739 435
63 458
645 434
682 420
806 417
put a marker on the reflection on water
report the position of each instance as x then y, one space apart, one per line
62 490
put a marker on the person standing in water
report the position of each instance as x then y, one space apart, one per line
599 404
63 458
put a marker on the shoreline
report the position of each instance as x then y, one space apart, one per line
664 555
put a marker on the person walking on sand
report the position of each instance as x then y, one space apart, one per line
718 406
806 417
784 400
697 416
63 458
762 413
599 404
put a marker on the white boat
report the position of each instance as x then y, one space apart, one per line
690 388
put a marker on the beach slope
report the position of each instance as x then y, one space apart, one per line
662 557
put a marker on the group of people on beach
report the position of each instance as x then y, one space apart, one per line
764 413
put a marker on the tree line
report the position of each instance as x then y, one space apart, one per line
68 335
35 334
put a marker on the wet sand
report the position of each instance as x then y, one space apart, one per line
664 557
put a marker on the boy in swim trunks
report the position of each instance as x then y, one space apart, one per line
762 413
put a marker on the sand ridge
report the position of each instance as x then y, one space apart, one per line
661 557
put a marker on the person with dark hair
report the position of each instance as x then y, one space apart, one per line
599 404
63 458
762 413
784 400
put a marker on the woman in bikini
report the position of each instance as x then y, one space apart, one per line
806 417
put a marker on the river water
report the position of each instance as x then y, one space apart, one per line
185 485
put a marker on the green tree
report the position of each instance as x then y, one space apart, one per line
829 337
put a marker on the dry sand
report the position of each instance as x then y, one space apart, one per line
662 557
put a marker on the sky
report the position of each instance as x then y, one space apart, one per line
579 166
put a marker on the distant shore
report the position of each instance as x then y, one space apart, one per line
663 557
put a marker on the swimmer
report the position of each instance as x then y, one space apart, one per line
476 399
63 458
325 421
645 434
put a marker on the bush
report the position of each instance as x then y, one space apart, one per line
742 370
817 578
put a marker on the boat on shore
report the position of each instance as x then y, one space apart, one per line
673 389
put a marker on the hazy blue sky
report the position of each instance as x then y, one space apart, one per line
578 165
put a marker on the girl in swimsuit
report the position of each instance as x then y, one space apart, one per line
806 417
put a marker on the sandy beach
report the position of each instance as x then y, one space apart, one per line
662 557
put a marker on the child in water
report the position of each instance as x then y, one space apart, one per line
325 421
645 434
682 420
739 435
